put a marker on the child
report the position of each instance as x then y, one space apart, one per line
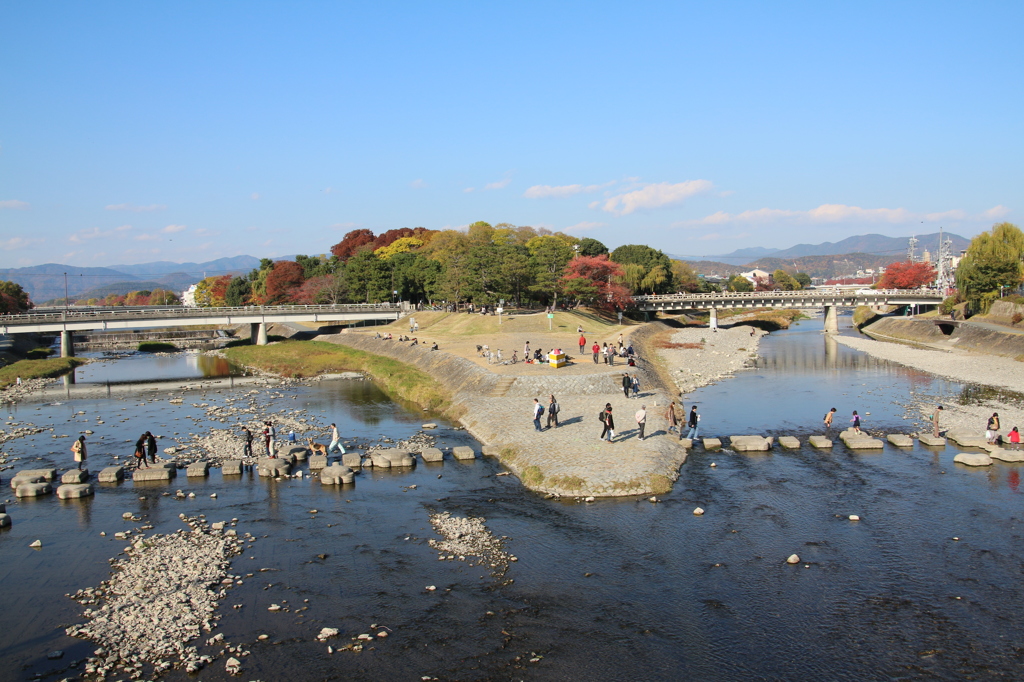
856 422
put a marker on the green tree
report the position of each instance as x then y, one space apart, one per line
684 276
994 259
592 247
784 281
238 292
739 283
803 278
548 255
368 278
650 259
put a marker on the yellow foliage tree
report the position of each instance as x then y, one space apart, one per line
403 245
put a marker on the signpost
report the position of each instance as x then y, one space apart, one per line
551 316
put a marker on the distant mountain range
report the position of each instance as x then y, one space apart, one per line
871 244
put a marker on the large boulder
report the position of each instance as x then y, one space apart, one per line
25 475
70 491
336 474
5 520
352 459
973 459
317 462
380 460
22 479
299 453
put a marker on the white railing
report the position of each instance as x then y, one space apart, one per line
122 313
803 293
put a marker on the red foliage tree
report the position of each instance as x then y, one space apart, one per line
283 282
352 243
594 280
906 275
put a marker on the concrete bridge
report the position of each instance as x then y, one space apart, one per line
829 299
66 321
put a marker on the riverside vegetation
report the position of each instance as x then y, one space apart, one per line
37 369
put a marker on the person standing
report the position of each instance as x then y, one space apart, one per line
140 452
856 422
636 387
538 411
828 419
935 421
526 351
553 410
627 383
992 428
596 350
335 440
692 423
608 432
672 418
246 442
620 340
611 356
641 420
78 448
583 343
151 446
604 352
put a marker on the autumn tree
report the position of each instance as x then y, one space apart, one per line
351 243
282 281
739 283
13 299
211 292
163 297
784 281
597 281
684 277
907 275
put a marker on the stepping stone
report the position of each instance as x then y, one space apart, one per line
1007 455
749 443
272 468
927 439
712 443
111 475
154 474
973 459
380 460
463 452
71 491
432 455
45 474
22 479
75 476
33 489
5 520
864 443
198 469
299 453
400 458
487 451
900 440
789 442
352 459
231 467
819 442
317 462
685 443
967 439
336 474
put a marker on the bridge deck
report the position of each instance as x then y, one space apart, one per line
817 298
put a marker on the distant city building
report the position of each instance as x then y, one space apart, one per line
188 297
756 274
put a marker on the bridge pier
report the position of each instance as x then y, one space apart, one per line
713 322
258 333
67 345
831 319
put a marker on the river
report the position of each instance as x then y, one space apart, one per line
619 589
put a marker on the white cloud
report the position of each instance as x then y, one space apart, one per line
650 196
136 209
418 183
83 236
147 237
558 191
469 189
329 190
500 184
14 204
255 196
582 227
841 213
17 243
171 229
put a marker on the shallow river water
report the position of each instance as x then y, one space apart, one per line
619 589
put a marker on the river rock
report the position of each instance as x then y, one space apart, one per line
749 443
231 467
71 491
153 474
400 458
1006 455
36 544
431 455
35 474
299 453
793 559
973 459
967 439
3 508
712 443
789 442
820 442
928 439
198 469
430 425
350 459
463 452
33 489
5 520
111 475
272 468
900 440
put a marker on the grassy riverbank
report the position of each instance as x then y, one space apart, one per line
311 358
37 369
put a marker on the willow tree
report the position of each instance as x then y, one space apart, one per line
994 260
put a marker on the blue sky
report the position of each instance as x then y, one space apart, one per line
188 131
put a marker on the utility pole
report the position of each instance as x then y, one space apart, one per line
66 304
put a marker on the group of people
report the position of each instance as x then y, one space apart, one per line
145 446
993 437
607 419
552 410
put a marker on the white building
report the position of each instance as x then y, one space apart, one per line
188 297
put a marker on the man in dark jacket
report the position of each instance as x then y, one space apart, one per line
151 446
627 383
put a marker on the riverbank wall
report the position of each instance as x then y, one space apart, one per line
965 336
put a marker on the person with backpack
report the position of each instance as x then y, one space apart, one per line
538 412
608 432
553 409
641 420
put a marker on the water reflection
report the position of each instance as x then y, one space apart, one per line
136 367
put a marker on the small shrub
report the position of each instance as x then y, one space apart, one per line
532 476
1017 318
38 353
660 484
156 347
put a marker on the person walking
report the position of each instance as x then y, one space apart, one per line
583 343
604 352
140 452
828 419
856 422
935 421
246 442
692 422
538 411
596 350
335 440
627 383
992 428
553 410
641 420
608 432
620 340
672 418
78 449
636 387
151 447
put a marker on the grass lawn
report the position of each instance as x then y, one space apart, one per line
34 369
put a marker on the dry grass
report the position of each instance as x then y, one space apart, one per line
672 345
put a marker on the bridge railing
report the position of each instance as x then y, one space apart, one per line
803 293
183 311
